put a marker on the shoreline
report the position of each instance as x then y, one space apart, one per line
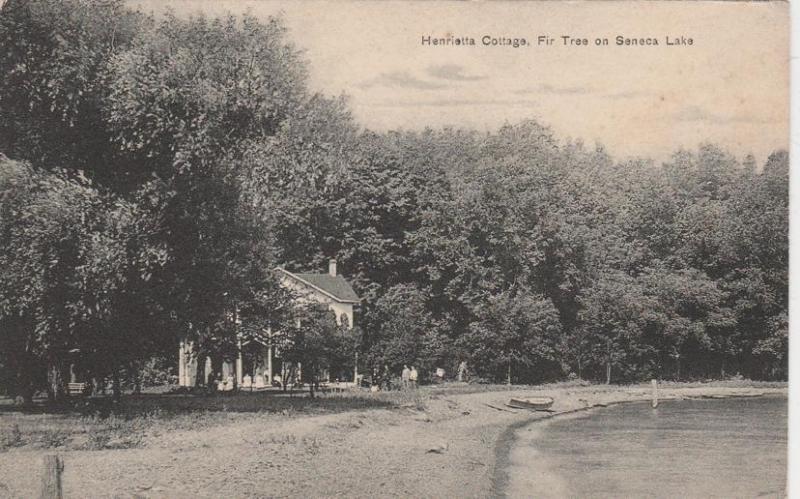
509 437
450 441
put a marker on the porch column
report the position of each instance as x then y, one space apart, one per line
190 367
190 364
355 372
239 364
269 357
182 365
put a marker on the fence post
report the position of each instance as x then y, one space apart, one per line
655 393
51 477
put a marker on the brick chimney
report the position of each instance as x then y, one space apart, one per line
332 267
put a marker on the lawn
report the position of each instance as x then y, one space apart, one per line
98 423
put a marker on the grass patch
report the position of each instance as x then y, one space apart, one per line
416 399
11 437
96 424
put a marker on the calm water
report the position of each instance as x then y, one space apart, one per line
691 448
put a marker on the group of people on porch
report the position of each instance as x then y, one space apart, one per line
227 384
409 378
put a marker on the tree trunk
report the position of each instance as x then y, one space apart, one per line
508 380
290 379
216 366
116 385
200 377
27 396
96 386
25 386
608 372
285 370
137 379
56 389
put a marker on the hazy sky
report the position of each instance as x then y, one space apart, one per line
731 86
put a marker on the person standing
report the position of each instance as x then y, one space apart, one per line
406 376
413 376
462 371
386 379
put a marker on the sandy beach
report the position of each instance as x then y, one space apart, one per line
447 444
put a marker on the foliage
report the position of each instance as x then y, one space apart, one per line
404 332
54 61
76 266
518 331
163 168
315 342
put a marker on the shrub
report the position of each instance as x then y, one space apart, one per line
11 437
51 439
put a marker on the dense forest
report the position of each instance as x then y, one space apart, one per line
155 170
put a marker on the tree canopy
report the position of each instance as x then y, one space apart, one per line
156 171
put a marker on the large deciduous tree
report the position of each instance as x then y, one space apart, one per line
75 267
187 100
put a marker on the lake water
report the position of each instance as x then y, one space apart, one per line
690 448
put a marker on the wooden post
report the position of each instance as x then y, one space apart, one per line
51 477
182 365
269 362
654 383
239 364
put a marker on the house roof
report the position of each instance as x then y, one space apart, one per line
336 286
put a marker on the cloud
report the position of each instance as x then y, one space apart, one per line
698 114
546 88
456 103
401 79
452 72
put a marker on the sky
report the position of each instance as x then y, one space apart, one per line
730 86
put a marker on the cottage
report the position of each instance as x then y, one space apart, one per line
329 288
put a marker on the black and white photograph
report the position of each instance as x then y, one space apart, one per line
400 248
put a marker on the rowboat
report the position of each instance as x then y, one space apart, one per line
533 403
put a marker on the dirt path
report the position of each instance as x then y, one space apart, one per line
446 449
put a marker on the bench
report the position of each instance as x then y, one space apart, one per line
76 388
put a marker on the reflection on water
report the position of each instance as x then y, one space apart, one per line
690 448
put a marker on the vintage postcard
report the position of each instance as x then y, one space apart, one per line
394 248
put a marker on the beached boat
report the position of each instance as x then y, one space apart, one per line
533 403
